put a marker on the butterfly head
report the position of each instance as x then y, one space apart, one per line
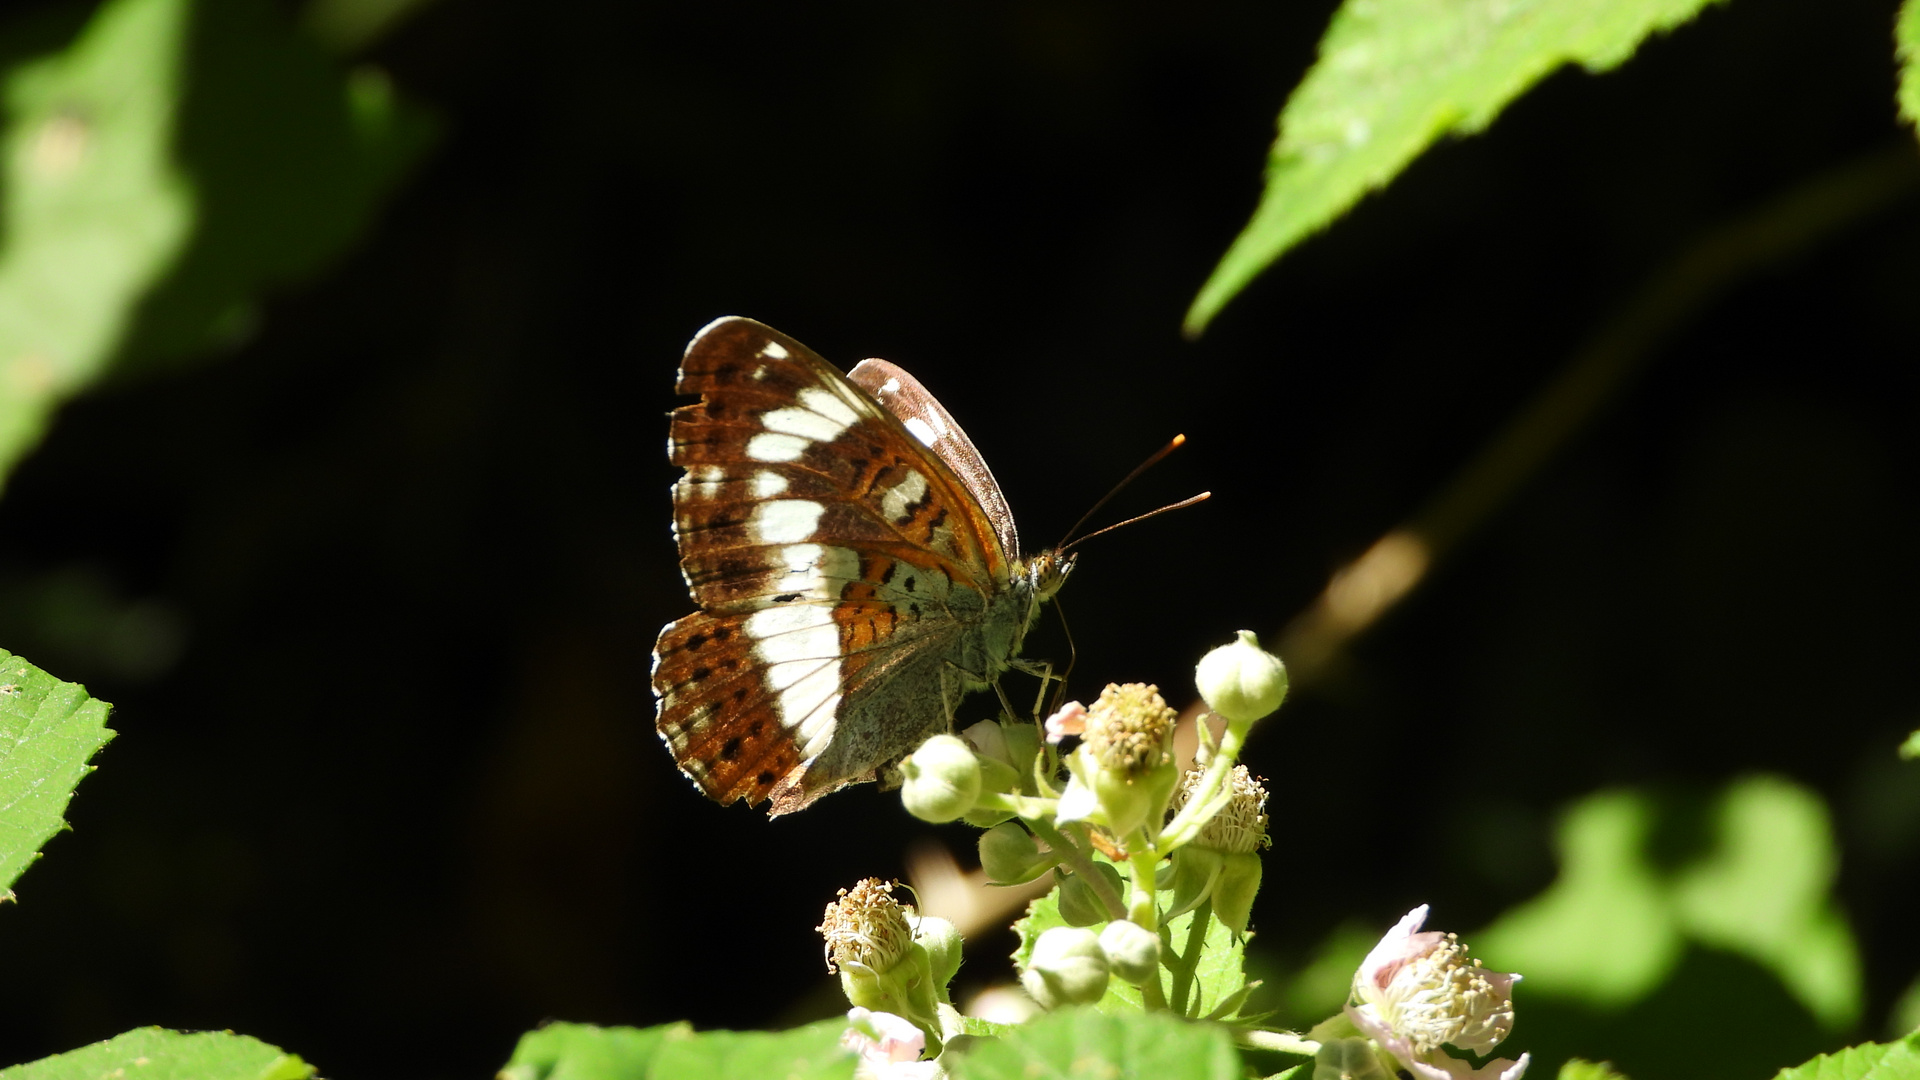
1047 571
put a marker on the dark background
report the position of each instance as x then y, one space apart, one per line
386 792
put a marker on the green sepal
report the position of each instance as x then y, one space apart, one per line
1196 870
1234 890
1079 904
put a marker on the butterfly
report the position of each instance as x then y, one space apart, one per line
855 563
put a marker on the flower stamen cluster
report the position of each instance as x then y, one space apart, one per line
866 928
1130 729
1417 992
1241 825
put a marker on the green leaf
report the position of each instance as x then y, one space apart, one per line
1395 75
1577 1069
804 1053
165 166
1612 928
1762 891
48 730
1906 42
586 1052
1910 749
1090 1044
1220 974
1869 1061
675 1051
158 1054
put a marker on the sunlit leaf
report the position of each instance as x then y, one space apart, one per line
1589 1070
1604 931
1395 75
1763 891
1089 1044
1870 1061
1910 749
158 1054
172 161
48 730
1906 39
586 1052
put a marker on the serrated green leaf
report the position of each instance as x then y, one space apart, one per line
586 1052
48 731
142 210
1395 75
808 1053
1869 1061
1086 1043
159 1054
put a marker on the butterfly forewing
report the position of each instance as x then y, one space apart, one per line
845 575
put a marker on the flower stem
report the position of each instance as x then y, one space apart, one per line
1286 1042
1190 959
1207 800
1080 863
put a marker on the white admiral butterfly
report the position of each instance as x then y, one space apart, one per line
854 561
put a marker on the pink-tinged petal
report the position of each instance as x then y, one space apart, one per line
1071 719
1396 948
882 1038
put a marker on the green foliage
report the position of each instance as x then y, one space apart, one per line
1088 1043
1589 1070
1614 925
1906 40
49 729
174 159
1193 986
1910 749
1395 75
159 1054
585 1052
1868 1061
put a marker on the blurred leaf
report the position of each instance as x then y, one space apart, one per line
1906 42
675 1051
350 26
94 208
1910 749
1611 929
800 1054
1393 76
1589 1070
48 729
1870 1061
158 1054
1762 892
1603 931
173 160
585 1052
1904 1017
1088 1043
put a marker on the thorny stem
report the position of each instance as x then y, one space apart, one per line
1078 861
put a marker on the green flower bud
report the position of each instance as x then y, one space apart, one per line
1233 893
1067 968
1079 904
1195 872
1241 682
1010 857
942 780
1133 951
942 942
988 742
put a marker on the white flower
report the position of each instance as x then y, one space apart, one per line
889 1047
1416 992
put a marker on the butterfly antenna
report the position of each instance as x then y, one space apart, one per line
1181 505
1172 444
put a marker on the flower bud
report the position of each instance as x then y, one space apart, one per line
1067 968
1079 904
1009 855
1241 681
942 780
1233 893
988 741
1133 951
942 942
